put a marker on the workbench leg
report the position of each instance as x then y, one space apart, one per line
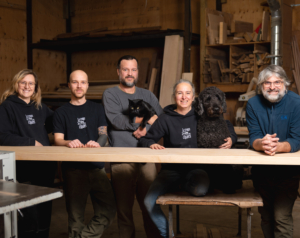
249 214
177 220
239 222
170 221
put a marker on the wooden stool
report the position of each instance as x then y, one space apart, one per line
245 197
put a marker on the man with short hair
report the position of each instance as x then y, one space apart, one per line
274 127
82 124
129 179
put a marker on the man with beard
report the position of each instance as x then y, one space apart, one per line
274 127
82 124
129 179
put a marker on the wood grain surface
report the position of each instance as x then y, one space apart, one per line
122 154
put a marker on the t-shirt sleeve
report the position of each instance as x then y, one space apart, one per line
254 129
58 123
8 135
102 118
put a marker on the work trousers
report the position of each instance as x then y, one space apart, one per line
278 196
128 180
78 184
36 219
196 182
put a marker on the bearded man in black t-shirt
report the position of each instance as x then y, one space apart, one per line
79 124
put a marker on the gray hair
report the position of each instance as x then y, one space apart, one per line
183 81
268 72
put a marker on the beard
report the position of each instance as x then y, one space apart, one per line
274 98
128 84
78 96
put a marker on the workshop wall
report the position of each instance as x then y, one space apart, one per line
47 23
123 14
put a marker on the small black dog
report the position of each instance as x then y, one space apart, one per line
211 127
140 108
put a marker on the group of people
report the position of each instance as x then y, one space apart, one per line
272 118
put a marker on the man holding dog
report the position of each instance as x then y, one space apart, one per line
79 124
274 127
129 179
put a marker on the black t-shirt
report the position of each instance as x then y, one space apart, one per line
82 123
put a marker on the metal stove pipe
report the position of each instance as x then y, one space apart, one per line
276 32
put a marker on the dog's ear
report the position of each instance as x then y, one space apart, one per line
224 106
199 106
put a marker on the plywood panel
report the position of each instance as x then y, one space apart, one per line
47 19
12 43
118 14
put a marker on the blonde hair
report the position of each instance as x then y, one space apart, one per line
13 89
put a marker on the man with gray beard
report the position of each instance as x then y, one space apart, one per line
129 179
274 126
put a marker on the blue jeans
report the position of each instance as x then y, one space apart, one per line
196 182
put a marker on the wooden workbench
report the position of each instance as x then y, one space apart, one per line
122 154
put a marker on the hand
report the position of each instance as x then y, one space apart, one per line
227 144
157 147
152 119
139 120
269 144
140 132
92 144
75 144
37 143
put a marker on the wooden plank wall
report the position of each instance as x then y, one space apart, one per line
47 22
12 42
119 14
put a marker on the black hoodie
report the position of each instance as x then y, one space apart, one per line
178 131
22 124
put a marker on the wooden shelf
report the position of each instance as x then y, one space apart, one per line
230 87
242 43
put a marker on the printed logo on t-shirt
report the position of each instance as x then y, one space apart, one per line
186 133
81 122
30 119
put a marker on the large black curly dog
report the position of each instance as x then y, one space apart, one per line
211 128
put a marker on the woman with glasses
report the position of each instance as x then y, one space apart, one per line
25 121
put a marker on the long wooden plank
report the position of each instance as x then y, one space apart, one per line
152 80
169 69
213 27
223 33
180 59
187 76
169 155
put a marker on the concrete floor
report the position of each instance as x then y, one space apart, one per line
223 218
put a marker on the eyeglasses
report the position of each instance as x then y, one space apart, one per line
24 83
276 84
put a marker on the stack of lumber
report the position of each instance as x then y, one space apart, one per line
296 58
243 67
102 32
95 90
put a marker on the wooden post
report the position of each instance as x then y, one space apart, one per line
187 36
203 5
29 33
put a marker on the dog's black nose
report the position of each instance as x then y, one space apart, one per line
216 109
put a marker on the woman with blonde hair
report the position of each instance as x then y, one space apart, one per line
25 121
